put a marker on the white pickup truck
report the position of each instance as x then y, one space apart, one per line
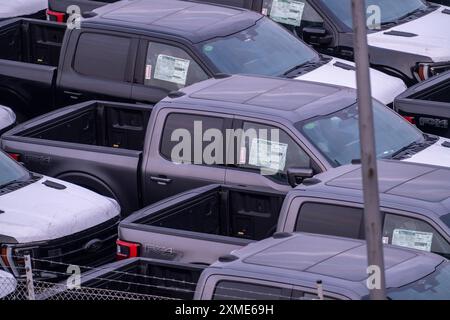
7 118
17 8
53 221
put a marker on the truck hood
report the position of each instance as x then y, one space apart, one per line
385 88
15 8
38 212
432 38
7 117
8 284
436 154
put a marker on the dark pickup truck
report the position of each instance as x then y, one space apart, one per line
427 105
238 130
44 65
202 224
284 267
139 51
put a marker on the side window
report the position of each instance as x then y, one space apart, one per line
414 233
269 151
230 290
193 139
170 68
293 13
302 295
102 56
332 220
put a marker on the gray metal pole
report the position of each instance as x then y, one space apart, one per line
372 218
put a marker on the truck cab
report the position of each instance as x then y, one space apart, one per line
311 267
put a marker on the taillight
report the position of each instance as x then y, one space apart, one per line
126 250
15 156
410 119
55 16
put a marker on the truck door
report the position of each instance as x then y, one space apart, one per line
98 65
186 152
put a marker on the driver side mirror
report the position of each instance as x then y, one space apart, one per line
317 36
297 175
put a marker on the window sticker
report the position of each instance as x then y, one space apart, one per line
268 154
171 69
148 72
412 239
287 11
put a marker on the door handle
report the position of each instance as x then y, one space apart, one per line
161 180
73 95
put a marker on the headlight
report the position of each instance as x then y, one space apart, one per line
425 71
12 258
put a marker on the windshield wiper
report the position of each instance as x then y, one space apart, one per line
401 19
306 66
8 184
415 146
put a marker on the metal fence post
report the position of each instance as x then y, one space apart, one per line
29 275
372 218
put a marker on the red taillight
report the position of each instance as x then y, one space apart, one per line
15 156
410 119
55 16
126 250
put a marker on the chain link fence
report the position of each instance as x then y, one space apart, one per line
26 287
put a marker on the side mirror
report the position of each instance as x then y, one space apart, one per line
317 36
297 175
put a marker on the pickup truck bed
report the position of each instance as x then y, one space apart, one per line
82 132
184 226
134 279
29 61
427 105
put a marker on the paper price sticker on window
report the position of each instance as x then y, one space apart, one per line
171 69
268 154
287 11
412 239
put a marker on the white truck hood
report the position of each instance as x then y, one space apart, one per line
38 213
436 154
433 38
15 8
8 284
385 88
7 117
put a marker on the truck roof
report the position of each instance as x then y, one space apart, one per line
293 100
421 188
191 20
338 262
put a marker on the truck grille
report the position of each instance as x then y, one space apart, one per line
89 248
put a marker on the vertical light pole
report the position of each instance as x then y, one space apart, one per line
372 218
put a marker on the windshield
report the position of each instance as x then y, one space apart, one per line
10 171
337 135
435 286
391 10
264 49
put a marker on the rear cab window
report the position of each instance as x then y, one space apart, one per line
102 56
236 290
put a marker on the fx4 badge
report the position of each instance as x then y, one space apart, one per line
432 122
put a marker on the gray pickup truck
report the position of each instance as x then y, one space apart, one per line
203 224
140 154
427 105
253 273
